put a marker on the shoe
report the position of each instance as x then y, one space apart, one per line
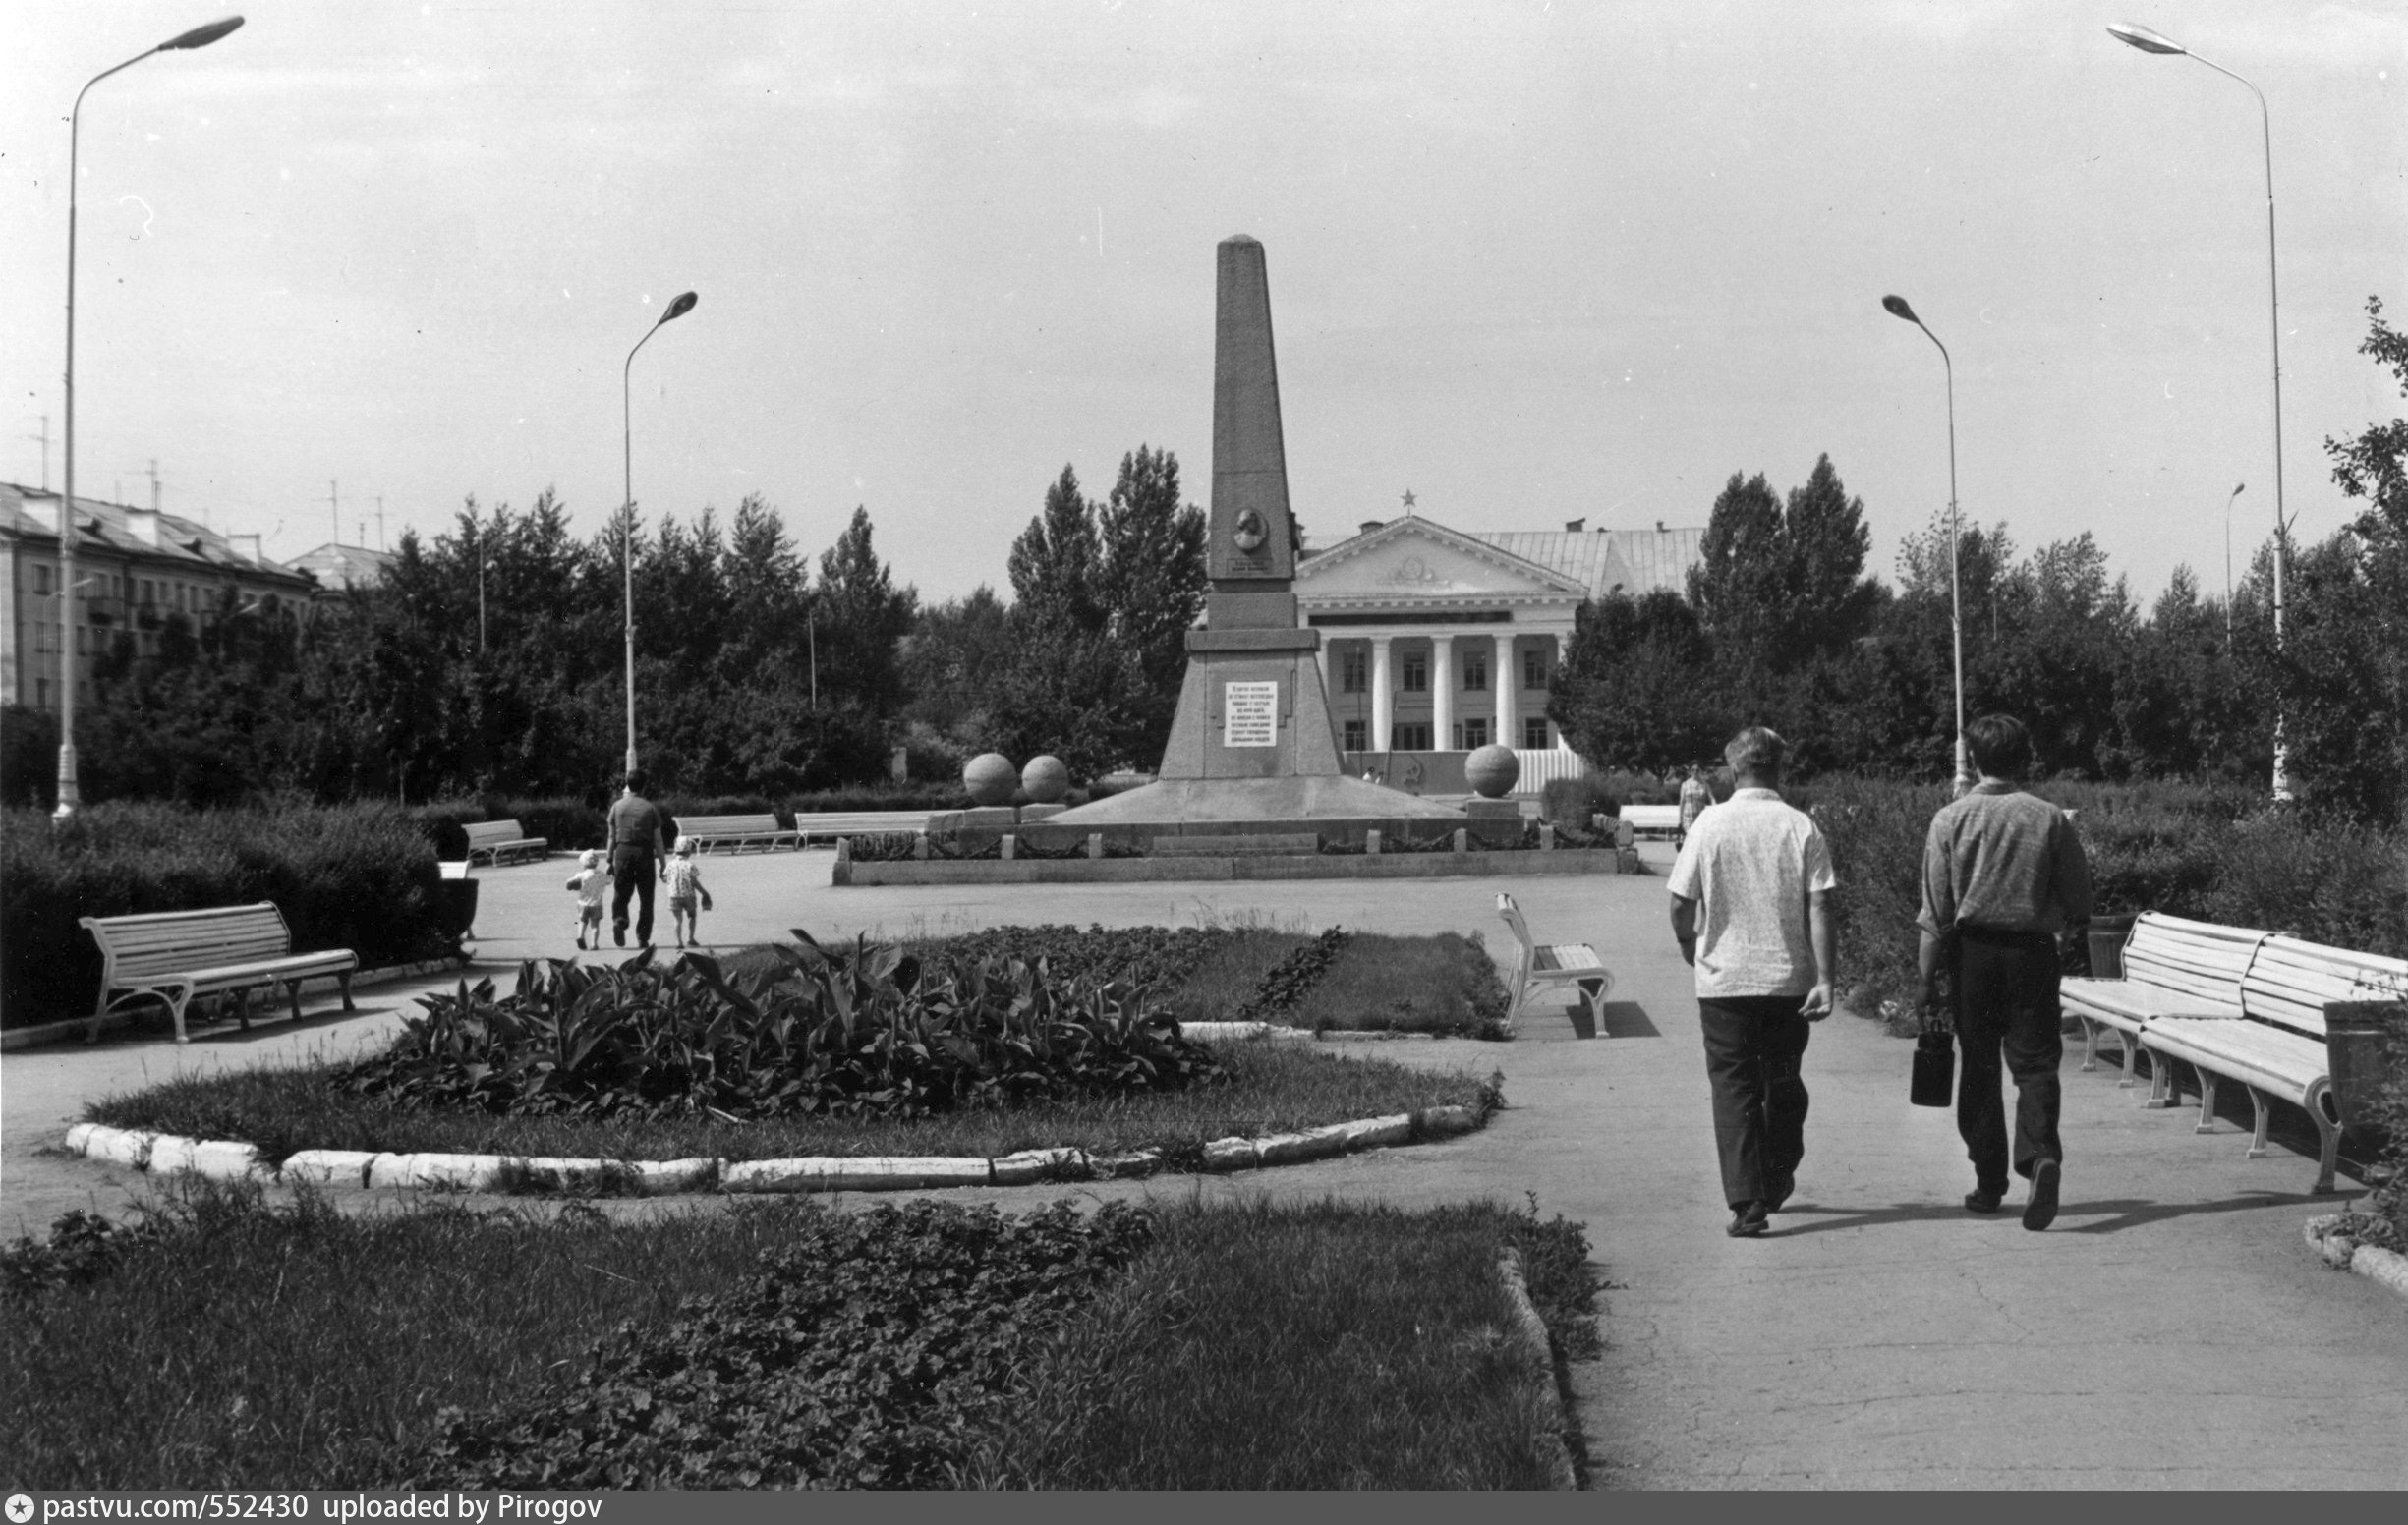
1782 1186
1749 1221
618 934
1983 1200
2040 1208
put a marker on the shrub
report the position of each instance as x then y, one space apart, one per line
872 1358
827 1033
1568 801
357 876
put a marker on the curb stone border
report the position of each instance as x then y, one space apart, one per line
2386 1268
1531 1332
226 1160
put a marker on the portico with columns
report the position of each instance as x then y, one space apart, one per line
1434 642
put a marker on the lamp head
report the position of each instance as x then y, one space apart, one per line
2142 38
2237 486
202 36
1897 306
679 307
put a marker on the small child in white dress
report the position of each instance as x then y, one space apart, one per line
685 877
591 884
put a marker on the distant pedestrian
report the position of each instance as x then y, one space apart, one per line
590 883
1750 909
638 858
1695 798
2003 873
685 879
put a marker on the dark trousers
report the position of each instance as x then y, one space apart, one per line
633 870
2007 1008
1754 1046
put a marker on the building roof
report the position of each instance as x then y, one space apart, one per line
337 566
1635 562
116 530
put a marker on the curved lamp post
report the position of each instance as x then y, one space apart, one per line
627 542
1897 306
2147 41
69 796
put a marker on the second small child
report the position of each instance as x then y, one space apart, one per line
591 884
685 877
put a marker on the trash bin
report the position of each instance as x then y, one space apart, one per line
2355 1037
2108 935
456 907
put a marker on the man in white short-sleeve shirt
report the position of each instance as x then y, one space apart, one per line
1749 910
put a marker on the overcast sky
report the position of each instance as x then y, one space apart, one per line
1532 261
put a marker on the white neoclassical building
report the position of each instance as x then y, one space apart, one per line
1436 642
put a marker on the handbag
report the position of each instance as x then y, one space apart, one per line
1932 1082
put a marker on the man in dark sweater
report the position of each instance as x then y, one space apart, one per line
2003 873
639 859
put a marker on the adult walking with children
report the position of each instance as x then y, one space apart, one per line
1750 911
639 859
2003 874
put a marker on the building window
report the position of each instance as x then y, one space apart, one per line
1534 668
41 580
42 693
1534 735
1475 672
1470 734
1410 736
1417 672
1351 672
1358 736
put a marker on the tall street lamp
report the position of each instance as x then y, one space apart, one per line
2149 41
627 542
1897 306
69 797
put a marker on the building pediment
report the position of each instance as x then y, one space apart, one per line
1415 560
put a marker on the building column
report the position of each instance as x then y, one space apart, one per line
1322 655
1383 704
1508 686
1441 693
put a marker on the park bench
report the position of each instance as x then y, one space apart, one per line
827 826
1539 964
736 834
2235 1004
502 841
173 956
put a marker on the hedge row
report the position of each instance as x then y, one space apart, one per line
2212 853
573 824
357 876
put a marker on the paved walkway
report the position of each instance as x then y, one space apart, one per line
2172 1330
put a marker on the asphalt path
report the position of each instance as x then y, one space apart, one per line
2170 1332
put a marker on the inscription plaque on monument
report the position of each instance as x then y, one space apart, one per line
1250 714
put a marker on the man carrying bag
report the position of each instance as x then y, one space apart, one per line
2003 873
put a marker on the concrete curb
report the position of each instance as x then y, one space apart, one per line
16 1038
1515 863
2387 1268
225 1159
1531 1334
1239 1032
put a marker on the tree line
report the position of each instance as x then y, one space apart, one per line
1780 625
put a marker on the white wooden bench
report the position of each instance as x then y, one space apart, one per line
738 833
504 841
828 826
172 956
2257 1018
1541 964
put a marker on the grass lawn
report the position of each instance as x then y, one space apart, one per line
239 1345
1445 984
1218 987
1273 1087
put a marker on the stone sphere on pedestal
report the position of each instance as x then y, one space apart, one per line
990 778
1047 778
1492 771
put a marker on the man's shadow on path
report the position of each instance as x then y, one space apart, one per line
2124 1213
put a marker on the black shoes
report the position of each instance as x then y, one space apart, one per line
618 934
1982 1200
1749 1221
2040 1208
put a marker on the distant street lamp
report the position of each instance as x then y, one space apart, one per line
2149 41
69 797
627 544
2236 492
1897 306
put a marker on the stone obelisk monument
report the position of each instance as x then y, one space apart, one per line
1253 739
